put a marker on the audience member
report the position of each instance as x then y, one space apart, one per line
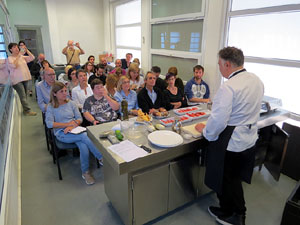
136 60
196 89
99 74
43 89
178 81
111 84
63 77
20 74
136 81
99 107
160 83
81 91
35 69
107 68
73 54
150 98
174 96
73 81
126 62
124 92
22 47
118 64
63 116
89 69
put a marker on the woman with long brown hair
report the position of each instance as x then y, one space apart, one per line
63 116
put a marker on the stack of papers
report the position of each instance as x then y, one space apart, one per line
128 151
78 130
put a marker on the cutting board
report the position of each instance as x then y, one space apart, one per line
191 130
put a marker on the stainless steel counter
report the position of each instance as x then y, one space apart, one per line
167 178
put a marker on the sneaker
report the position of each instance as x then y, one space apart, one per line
235 219
30 113
217 211
89 179
100 162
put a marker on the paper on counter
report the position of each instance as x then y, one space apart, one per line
78 130
128 151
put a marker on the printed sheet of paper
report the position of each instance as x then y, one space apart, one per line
78 130
128 151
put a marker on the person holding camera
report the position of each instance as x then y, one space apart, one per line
73 54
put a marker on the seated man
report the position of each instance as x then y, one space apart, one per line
160 83
36 67
81 91
150 98
100 107
196 89
43 89
99 74
118 64
126 62
107 68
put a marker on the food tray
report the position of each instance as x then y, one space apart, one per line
169 121
198 114
182 111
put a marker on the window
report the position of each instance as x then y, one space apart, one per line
3 54
268 32
177 35
128 29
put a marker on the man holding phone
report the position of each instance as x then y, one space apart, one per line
72 54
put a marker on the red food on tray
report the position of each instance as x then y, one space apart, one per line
196 114
185 110
170 121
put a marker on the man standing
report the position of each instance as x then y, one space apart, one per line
196 89
43 89
232 132
72 54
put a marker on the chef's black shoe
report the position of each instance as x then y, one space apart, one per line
217 211
235 219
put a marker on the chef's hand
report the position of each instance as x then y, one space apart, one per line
199 127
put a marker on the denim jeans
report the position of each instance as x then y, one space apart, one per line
21 89
84 144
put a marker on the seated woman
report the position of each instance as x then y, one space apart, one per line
124 92
81 91
111 84
136 81
178 81
63 115
73 81
89 69
100 107
174 96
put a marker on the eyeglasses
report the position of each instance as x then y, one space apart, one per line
126 82
73 73
51 74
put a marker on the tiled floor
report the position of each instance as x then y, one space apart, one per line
48 201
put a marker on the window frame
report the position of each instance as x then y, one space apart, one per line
173 19
3 43
115 26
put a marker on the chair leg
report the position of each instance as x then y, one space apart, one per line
55 152
47 138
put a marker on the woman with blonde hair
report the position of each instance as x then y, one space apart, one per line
178 81
136 81
111 84
63 116
124 92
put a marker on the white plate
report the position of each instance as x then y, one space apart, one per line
165 138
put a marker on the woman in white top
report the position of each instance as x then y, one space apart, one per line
136 81
89 69
83 90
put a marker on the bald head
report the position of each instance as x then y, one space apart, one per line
41 57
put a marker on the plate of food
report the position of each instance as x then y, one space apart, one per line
169 121
161 115
198 114
143 117
182 111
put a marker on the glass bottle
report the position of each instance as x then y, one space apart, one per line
124 109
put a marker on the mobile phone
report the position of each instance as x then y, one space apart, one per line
22 50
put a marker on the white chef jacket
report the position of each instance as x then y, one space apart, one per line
236 103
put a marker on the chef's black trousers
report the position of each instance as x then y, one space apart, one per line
232 196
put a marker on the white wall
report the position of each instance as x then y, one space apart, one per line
31 12
78 20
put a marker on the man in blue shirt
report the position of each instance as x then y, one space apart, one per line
43 89
196 90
